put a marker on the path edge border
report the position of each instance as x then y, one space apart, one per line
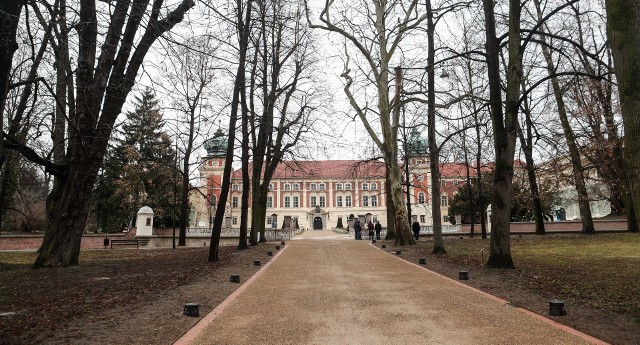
195 330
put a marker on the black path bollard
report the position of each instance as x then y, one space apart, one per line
191 309
463 275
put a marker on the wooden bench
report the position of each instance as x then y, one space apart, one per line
124 243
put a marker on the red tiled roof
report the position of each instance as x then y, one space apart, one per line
346 169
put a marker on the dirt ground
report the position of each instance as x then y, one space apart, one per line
120 296
129 296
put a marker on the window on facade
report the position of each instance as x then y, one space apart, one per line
234 201
234 220
270 186
321 186
347 201
287 187
339 201
374 219
455 182
314 186
296 186
418 161
373 186
445 219
374 200
235 187
443 183
339 186
420 178
365 186
420 198
322 202
269 220
287 201
213 200
365 201
347 186
444 200
314 201
269 201
296 201
422 218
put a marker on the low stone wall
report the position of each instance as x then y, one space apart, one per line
561 226
33 242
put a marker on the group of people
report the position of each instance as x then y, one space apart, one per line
357 227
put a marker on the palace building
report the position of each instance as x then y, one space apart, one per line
317 194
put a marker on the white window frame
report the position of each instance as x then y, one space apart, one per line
269 220
421 198
287 187
321 186
373 186
296 201
269 202
314 186
287 201
423 218
270 186
444 201
322 202
235 187
339 201
347 201
234 201
313 201
295 186
347 186
374 201
365 186
365 201
339 186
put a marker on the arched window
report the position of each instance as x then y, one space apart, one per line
296 186
313 186
365 186
321 186
347 186
421 198
339 186
347 201
373 186
287 187
365 201
270 186
374 201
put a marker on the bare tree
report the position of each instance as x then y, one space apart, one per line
104 78
389 24
190 75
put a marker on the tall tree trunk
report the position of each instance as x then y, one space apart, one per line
391 229
184 195
623 30
527 149
504 133
9 17
226 177
246 188
574 153
434 151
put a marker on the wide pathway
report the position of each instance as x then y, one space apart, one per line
349 292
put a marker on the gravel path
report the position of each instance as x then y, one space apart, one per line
337 291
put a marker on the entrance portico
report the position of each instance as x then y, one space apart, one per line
317 218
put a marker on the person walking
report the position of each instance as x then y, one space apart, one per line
378 228
416 230
370 227
357 229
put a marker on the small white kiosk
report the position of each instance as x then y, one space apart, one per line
144 222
